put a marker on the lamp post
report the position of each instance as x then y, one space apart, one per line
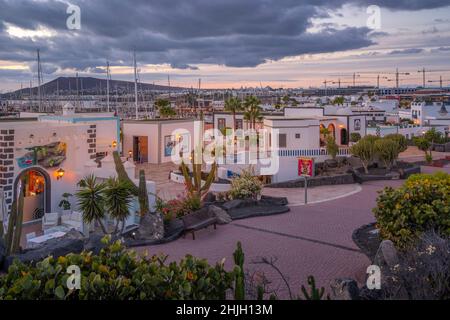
305 179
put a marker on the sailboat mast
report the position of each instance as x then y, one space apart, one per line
107 85
135 86
39 80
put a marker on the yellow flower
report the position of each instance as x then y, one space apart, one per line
102 268
189 275
62 260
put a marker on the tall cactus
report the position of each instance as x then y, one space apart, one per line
239 286
142 194
194 184
14 232
138 191
314 292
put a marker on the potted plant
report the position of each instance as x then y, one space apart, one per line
65 204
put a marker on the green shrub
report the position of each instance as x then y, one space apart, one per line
355 137
421 204
245 186
117 274
400 139
177 208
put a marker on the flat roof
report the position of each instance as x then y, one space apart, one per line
143 121
300 118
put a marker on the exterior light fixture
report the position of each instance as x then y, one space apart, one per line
114 144
130 153
60 173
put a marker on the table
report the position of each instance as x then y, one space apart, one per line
35 242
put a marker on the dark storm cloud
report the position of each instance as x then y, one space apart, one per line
182 33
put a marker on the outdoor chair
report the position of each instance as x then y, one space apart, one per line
73 220
50 220
30 236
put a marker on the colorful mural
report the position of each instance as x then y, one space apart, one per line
170 142
47 156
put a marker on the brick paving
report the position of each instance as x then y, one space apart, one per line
310 240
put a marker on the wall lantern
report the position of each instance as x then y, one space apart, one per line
130 153
60 173
114 144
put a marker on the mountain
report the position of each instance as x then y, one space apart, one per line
87 86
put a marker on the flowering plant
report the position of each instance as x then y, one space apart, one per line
245 186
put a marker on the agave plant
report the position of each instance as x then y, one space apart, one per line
91 200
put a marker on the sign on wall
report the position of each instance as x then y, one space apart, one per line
306 166
47 156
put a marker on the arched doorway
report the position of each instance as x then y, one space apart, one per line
332 130
322 135
37 193
344 138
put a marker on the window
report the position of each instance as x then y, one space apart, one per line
282 140
221 123
239 124
297 136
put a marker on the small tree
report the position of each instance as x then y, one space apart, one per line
424 145
365 150
400 139
332 147
387 150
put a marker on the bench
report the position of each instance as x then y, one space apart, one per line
200 219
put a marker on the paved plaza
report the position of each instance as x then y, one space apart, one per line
313 239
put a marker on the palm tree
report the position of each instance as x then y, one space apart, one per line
117 201
164 108
91 200
252 111
233 105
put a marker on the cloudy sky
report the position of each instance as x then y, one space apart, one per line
226 43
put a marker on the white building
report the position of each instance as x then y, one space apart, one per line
429 113
38 148
154 141
51 154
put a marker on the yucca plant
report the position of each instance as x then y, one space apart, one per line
91 200
117 201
